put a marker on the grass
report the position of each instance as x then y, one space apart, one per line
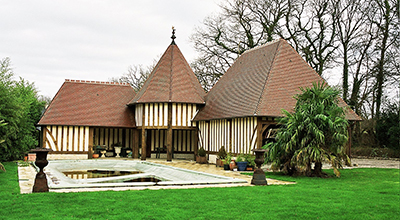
358 194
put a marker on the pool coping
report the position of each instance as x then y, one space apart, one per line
27 175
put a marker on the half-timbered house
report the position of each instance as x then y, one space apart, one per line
242 106
171 114
84 114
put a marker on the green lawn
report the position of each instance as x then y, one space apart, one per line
358 194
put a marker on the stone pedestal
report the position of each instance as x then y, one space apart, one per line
259 175
41 162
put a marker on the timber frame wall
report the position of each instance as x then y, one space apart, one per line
81 139
71 139
237 135
166 125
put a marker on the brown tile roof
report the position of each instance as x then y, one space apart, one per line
172 80
90 103
261 82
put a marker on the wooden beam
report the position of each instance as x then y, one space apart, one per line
169 133
143 157
43 137
259 133
135 147
196 141
91 137
229 149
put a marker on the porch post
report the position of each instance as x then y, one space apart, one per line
42 137
143 157
196 140
259 133
169 133
91 136
135 147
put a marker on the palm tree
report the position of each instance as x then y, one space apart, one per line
314 133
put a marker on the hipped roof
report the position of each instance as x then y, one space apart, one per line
172 80
262 82
90 103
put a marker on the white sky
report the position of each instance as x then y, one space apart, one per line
49 41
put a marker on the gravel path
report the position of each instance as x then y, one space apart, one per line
379 163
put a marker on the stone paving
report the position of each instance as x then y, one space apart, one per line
27 174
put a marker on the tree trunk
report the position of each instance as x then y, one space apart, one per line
318 168
381 62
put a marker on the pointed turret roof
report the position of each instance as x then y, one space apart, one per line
172 80
261 82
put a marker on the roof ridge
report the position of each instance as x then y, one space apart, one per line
192 76
266 79
264 45
97 82
171 71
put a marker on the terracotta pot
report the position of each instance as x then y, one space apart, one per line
219 163
201 160
232 164
95 155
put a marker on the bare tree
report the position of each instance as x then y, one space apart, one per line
310 28
388 29
240 26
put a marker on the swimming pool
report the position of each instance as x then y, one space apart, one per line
143 174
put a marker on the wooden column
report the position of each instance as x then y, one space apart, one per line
43 137
135 147
169 133
259 133
91 139
229 149
143 157
196 140
209 136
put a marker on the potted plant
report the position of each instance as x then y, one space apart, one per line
201 156
227 160
96 151
241 163
221 156
250 161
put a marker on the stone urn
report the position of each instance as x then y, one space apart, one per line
259 175
41 161
117 151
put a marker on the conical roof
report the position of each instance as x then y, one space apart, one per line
261 82
172 80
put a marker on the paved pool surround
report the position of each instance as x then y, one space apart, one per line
169 176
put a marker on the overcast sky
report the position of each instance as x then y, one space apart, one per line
49 41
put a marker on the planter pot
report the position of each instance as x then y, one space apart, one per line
232 164
226 167
95 155
219 163
241 165
201 160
